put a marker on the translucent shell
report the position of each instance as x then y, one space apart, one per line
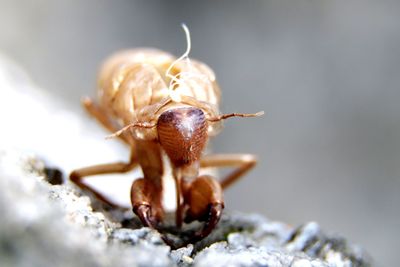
133 86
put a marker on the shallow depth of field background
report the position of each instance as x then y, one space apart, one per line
327 74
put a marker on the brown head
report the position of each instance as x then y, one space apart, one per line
182 133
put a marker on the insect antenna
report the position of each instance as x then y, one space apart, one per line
230 115
132 125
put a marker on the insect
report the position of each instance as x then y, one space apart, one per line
163 107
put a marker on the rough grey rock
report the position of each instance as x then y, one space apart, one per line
47 225
53 225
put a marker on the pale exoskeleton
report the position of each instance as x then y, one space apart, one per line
165 107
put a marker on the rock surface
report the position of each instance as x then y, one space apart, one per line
48 225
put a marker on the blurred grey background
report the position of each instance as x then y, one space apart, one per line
325 72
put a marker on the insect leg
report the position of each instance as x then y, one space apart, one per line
205 201
77 176
101 116
146 201
242 162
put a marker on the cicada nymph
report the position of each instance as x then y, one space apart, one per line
162 106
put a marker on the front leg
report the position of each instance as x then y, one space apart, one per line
146 199
205 201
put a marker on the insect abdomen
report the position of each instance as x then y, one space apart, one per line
133 79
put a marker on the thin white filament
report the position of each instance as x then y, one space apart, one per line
184 79
174 79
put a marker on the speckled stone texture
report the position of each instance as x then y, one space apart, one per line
58 225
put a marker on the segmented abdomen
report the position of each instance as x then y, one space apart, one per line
133 79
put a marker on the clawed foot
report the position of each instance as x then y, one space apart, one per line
211 220
214 215
143 211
